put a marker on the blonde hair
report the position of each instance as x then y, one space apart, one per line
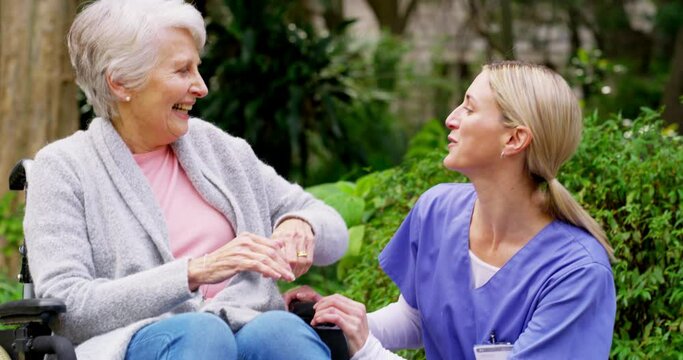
119 38
536 97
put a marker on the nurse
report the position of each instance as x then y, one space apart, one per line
508 266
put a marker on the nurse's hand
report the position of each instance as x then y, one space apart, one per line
299 244
349 315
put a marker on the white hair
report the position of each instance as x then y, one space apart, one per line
119 38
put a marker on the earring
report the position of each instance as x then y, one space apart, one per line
127 99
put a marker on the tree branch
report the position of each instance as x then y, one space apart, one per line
403 19
475 20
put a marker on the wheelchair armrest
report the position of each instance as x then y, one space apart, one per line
30 310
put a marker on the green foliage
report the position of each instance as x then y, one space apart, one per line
669 18
341 196
11 235
590 70
433 135
345 198
265 79
11 231
374 134
610 86
301 99
626 174
10 289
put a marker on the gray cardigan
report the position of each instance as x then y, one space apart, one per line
97 238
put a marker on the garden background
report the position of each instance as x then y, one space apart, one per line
348 97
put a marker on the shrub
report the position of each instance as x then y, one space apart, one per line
307 101
10 289
627 175
11 234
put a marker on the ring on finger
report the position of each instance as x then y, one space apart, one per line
302 253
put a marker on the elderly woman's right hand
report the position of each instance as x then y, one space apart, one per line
246 252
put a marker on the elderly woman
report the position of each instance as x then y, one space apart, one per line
164 235
508 266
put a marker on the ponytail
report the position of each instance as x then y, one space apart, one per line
561 205
536 97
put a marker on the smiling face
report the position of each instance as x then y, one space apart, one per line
477 133
157 113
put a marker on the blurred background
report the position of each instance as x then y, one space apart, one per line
352 94
330 89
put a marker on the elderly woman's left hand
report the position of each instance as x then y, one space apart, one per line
299 244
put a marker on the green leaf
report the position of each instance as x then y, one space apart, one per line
324 191
340 196
349 207
356 235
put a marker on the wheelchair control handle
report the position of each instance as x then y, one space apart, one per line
54 344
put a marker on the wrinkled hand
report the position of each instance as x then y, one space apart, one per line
303 294
246 252
349 315
299 241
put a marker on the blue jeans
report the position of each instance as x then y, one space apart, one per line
271 335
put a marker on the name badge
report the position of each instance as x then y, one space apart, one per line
492 351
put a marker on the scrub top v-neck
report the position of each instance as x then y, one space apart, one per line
545 299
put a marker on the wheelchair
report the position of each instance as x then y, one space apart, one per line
31 337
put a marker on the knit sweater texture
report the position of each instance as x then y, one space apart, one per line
97 238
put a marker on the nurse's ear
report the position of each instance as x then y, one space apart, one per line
517 140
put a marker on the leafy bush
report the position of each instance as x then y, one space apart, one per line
11 234
627 174
11 231
433 135
610 85
307 102
10 289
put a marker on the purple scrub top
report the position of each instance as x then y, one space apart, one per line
554 299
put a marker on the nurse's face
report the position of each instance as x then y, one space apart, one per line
157 114
477 134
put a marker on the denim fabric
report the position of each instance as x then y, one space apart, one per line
184 336
279 335
271 335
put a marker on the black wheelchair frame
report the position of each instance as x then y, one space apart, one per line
32 337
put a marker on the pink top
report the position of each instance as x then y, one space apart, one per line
195 228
